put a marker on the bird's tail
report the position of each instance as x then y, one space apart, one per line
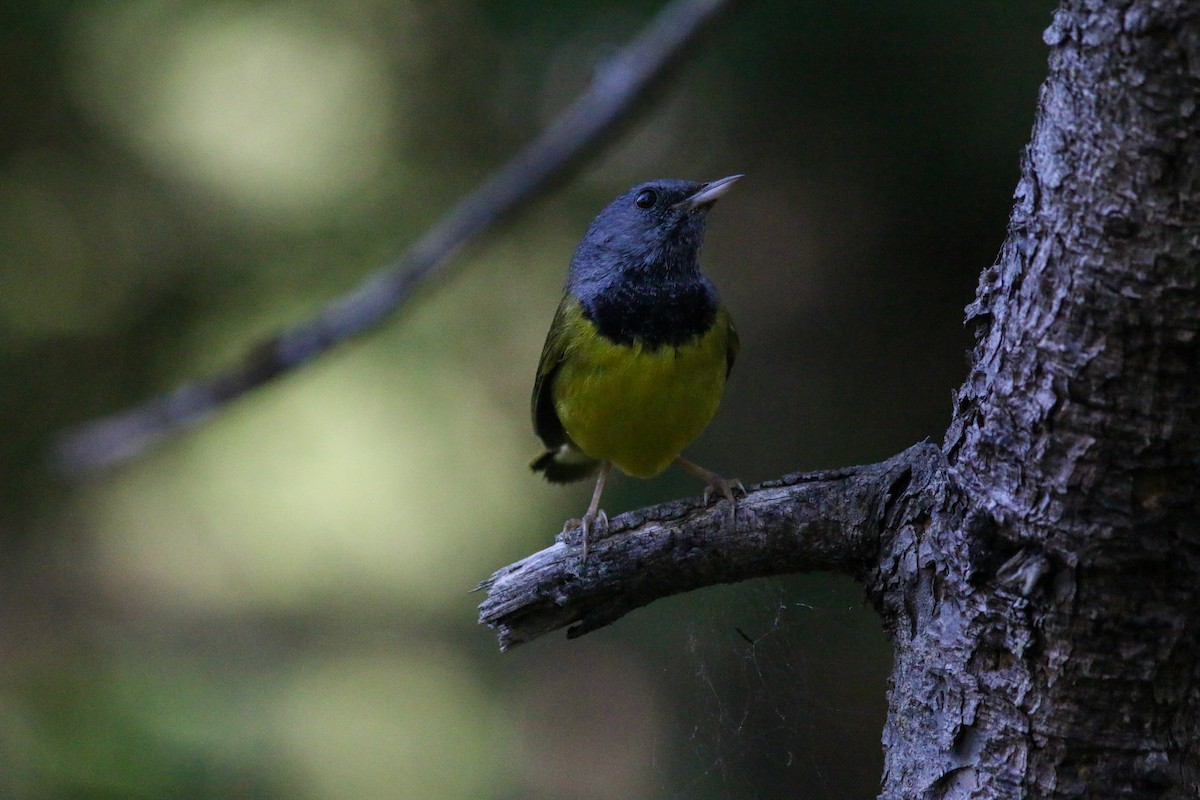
564 465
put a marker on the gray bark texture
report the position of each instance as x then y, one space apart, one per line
1047 619
1039 574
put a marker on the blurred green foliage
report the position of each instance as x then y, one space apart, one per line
275 605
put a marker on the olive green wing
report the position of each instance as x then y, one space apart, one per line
562 462
546 423
732 343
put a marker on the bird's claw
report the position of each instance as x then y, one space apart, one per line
590 527
727 488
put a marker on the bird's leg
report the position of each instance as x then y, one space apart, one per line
715 484
595 515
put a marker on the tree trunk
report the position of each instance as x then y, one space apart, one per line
1045 612
1040 574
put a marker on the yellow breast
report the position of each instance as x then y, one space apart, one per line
635 407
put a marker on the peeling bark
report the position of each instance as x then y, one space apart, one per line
799 523
1057 652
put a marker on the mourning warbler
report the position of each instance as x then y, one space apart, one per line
634 365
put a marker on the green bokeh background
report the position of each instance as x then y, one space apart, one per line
276 605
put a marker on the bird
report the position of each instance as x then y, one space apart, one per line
635 363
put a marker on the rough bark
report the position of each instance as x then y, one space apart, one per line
1039 575
799 523
1055 646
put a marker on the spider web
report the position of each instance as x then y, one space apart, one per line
783 686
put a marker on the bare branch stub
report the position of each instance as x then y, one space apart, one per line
809 521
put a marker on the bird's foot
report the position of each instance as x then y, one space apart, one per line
730 489
714 485
591 527
727 488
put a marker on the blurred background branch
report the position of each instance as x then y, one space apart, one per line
617 91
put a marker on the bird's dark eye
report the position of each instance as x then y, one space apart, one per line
647 199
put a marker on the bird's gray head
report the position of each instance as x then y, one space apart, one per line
652 233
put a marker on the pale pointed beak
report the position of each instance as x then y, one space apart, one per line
708 194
